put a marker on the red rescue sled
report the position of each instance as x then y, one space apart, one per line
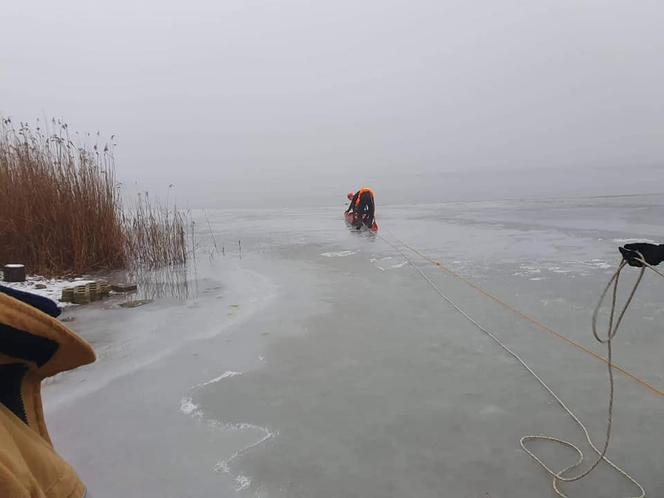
351 220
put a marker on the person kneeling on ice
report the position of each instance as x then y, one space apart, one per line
33 346
363 207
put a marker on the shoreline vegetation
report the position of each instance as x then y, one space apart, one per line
62 212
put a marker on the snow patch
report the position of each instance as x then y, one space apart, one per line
224 465
188 407
337 254
558 269
631 241
374 262
386 259
225 375
598 263
242 482
53 287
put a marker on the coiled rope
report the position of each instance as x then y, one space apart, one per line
614 324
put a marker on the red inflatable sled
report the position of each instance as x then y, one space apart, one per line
351 219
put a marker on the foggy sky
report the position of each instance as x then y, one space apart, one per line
247 101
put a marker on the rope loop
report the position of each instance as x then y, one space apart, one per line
612 330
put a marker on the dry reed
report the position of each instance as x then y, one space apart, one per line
61 212
155 235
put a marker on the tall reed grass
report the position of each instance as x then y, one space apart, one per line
154 235
61 212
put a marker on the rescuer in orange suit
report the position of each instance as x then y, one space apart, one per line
363 206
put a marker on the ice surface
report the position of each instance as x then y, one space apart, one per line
374 387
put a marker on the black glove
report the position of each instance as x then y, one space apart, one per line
653 254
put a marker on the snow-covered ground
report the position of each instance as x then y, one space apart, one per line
47 287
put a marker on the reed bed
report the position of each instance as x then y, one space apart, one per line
61 210
155 235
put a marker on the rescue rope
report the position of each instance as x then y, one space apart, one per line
541 326
614 324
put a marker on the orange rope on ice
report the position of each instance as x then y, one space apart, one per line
614 323
534 321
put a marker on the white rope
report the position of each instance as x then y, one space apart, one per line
612 330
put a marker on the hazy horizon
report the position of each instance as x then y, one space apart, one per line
246 103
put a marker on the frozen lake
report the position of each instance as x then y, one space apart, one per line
313 361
